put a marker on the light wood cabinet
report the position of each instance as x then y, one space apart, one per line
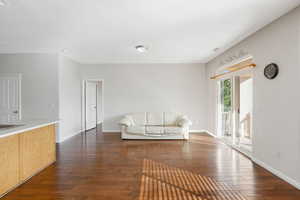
25 154
9 163
37 149
49 141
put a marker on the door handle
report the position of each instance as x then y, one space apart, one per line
16 112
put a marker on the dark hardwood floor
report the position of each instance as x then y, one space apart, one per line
102 166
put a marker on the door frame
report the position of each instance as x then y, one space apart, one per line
19 77
83 102
235 97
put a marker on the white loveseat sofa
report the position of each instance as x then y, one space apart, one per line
149 125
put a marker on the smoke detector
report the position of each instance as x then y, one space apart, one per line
141 48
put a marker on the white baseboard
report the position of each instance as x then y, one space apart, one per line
111 131
277 173
209 133
60 140
196 131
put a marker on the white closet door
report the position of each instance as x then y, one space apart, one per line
10 98
91 105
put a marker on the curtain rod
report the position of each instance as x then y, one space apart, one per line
252 65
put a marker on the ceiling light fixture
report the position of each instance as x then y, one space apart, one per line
141 48
2 3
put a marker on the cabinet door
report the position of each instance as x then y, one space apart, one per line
9 163
49 141
37 150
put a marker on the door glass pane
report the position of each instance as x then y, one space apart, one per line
226 107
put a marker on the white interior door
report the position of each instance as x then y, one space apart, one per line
91 105
10 100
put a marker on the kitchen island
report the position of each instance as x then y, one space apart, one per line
25 150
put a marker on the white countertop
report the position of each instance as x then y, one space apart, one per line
28 125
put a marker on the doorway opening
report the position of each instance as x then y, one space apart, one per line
92 106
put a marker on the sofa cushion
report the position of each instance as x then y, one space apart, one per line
136 129
173 130
130 119
170 119
156 130
126 121
139 118
184 122
155 119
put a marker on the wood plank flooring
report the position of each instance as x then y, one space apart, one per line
102 166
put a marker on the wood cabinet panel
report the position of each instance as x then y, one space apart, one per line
37 150
49 141
9 163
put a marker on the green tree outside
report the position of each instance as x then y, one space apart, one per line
226 94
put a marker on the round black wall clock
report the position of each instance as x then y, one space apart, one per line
271 71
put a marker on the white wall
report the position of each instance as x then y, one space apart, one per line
276 131
151 87
39 82
69 99
51 89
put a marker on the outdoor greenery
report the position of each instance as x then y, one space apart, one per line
226 94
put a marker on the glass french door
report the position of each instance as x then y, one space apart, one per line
225 108
245 93
235 111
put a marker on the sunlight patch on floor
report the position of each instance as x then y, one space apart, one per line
163 182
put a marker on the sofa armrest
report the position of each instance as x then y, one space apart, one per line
126 121
184 122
